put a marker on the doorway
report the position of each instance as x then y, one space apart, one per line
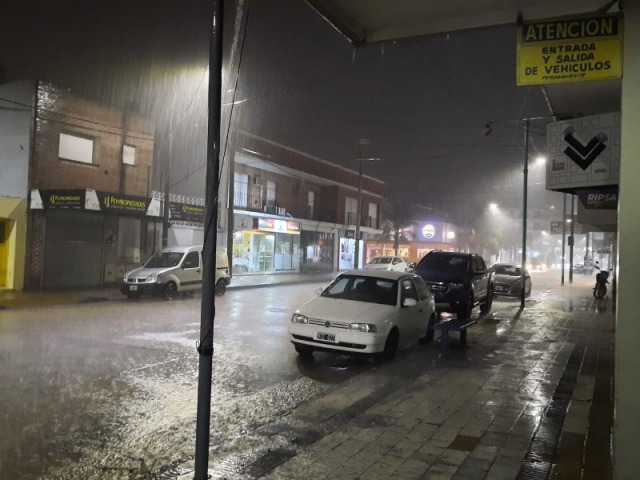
4 250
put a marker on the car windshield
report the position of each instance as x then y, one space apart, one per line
381 260
445 263
164 260
511 270
363 289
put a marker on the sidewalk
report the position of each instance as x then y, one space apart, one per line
531 398
10 299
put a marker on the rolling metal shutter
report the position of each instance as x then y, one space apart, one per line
73 255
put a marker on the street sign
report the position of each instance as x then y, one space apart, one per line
570 50
556 228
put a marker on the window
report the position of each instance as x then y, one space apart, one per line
311 200
128 239
129 155
271 192
74 148
373 215
192 260
408 290
240 189
351 210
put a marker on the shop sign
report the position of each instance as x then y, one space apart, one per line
570 50
280 226
185 212
603 198
116 203
92 200
428 231
584 152
57 199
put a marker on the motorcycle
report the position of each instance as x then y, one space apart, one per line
602 278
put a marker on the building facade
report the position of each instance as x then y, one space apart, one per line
84 170
295 212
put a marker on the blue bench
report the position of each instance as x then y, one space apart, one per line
452 325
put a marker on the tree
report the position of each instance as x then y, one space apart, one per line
398 214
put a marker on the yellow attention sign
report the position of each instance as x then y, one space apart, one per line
570 50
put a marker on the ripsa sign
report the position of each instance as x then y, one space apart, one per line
606 198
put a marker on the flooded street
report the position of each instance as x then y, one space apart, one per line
108 390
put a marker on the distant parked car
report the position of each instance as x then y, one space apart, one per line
388 262
508 280
371 312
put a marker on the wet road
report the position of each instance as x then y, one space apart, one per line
108 390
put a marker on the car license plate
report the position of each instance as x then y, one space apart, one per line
326 337
133 288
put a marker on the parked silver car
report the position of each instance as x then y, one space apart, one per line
508 280
174 270
387 262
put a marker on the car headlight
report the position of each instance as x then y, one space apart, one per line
152 278
297 318
125 276
363 327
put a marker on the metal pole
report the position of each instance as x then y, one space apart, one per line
358 216
207 309
573 239
564 234
524 209
165 204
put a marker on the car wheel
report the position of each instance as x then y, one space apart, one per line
221 287
170 291
390 346
486 306
464 312
304 350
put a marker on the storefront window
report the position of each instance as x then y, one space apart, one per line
317 251
263 252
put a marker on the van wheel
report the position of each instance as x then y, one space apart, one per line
170 291
221 287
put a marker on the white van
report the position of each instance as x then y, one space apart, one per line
175 270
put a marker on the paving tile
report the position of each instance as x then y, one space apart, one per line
379 471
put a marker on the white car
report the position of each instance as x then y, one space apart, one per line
387 262
371 312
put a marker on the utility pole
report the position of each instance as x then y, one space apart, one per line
362 141
165 204
524 209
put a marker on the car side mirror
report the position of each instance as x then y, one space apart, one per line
409 302
319 291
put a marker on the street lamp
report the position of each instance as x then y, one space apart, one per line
359 214
525 179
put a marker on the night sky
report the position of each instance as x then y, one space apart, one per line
421 103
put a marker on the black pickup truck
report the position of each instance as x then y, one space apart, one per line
459 281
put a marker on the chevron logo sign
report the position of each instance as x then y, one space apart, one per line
583 155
